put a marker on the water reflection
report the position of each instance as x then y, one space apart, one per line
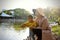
7 32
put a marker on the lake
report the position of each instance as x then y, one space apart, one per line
7 32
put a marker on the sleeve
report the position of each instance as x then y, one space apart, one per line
24 24
45 24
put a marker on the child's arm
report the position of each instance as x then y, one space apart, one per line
34 25
23 25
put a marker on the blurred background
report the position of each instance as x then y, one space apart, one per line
13 13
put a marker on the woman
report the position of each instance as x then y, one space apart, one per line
43 30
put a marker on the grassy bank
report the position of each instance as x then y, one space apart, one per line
56 29
17 26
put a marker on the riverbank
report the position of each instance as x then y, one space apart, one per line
56 31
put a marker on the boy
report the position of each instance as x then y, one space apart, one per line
31 24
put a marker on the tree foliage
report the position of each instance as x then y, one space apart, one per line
21 13
53 14
18 12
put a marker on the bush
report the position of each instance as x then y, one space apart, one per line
56 29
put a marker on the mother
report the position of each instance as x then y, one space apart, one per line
45 31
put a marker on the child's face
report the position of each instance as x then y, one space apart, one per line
30 19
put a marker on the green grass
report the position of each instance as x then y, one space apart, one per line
17 27
56 29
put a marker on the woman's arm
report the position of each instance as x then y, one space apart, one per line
45 24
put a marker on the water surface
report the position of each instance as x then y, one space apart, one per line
7 32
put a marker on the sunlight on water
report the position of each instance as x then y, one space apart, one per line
7 32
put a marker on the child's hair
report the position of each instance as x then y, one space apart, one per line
30 16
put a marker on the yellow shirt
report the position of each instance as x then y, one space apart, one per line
30 24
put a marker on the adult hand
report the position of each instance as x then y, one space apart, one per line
38 28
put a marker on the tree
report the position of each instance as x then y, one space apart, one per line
56 14
53 14
21 13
